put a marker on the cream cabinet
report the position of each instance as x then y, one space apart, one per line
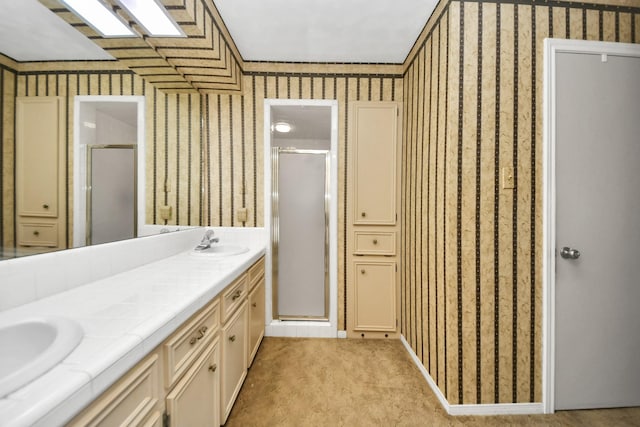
194 376
192 370
135 400
374 162
234 358
194 401
256 310
373 226
374 295
234 348
40 169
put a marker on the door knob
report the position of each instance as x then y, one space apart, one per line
569 253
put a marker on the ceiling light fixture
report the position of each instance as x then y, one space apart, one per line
282 127
153 17
98 16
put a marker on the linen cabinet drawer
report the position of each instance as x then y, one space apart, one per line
375 243
233 296
256 272
38 234
183 346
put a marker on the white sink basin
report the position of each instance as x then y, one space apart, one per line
222 250
30 347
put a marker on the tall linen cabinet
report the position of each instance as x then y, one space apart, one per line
373 292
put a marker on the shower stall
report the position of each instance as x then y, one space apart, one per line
301 217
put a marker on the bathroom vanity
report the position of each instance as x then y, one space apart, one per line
195 375
167 342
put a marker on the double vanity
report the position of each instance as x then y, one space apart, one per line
149 338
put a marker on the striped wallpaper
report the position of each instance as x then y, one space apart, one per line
471 282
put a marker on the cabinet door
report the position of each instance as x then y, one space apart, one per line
375 295
134 398
375 138
234 358
37 155
195 400
256 319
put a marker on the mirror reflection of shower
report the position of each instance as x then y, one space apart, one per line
108 150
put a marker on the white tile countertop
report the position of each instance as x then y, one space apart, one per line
124 317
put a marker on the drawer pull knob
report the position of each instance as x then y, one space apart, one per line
213 367
363 214
254 305
375 241
236 295
46 206
193 340
36 233
362 271
232 338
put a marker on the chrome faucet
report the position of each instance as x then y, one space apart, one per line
207 240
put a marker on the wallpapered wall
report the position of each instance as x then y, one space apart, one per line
471 283
196 142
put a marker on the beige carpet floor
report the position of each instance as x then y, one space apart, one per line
321 382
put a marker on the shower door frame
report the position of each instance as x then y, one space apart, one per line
275 229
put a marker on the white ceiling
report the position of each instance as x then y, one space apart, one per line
355 31
371 31
31 32
308 122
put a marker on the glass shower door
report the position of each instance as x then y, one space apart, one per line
300 233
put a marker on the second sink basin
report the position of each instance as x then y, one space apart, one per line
222 250
30 347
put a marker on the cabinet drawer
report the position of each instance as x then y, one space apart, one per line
183 346
256 272
130 401
38 234
233 296
375 243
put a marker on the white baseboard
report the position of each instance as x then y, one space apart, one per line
425 374
481 409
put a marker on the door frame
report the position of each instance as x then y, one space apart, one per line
320 329
551 48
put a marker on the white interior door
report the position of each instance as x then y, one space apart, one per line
597 295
